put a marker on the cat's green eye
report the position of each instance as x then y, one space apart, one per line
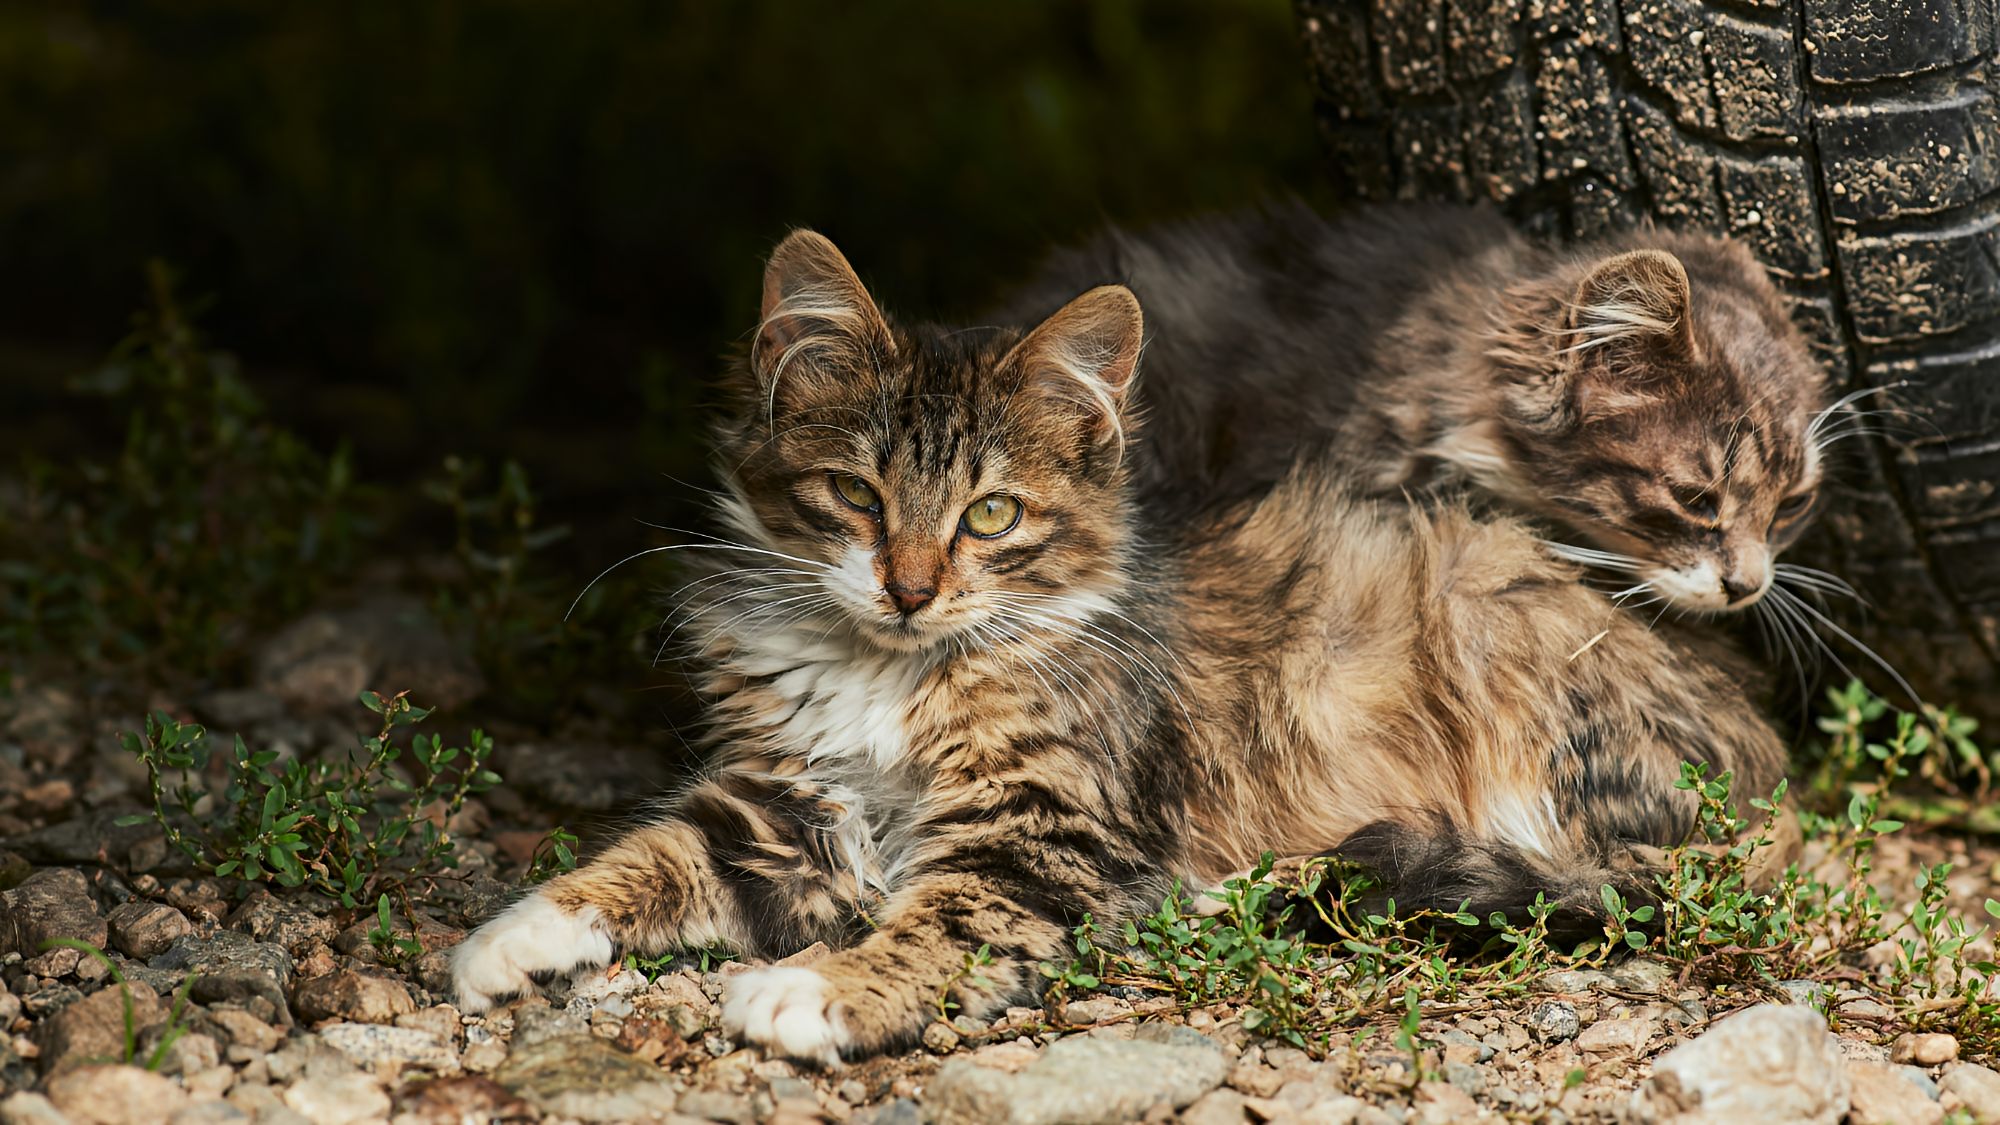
1796 506
856 493
992 515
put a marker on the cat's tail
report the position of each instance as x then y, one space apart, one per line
1434 864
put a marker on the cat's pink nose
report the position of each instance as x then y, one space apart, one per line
909 599
1740 589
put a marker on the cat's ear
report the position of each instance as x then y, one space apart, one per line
1639 297
814 308
1086 354
1626 322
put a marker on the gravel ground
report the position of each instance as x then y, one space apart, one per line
295 1017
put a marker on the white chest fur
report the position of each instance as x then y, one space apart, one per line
843 708
836 701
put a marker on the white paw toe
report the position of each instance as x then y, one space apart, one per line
532 936
789 1010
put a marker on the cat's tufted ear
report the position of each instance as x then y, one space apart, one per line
1640 297
1086 354
1625 328
814 309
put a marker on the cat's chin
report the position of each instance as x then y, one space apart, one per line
905 636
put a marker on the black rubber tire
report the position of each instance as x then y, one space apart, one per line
1855 144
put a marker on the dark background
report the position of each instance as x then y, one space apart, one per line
530 230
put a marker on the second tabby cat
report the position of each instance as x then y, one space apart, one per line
967 689
1647 392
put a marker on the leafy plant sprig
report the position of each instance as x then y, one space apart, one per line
345 827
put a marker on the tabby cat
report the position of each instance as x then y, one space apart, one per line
967 689
1647 392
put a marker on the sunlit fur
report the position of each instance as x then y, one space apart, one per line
1104 700
1646 393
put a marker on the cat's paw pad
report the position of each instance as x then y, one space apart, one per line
533 936
788 1010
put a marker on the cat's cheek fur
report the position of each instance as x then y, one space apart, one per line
790 1010
533 936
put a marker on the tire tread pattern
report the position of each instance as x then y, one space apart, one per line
1854 144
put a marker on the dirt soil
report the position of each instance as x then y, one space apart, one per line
297 1015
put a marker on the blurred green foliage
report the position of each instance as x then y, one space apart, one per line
532 227
206 522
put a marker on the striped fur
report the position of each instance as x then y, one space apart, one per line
1645 394
1102 700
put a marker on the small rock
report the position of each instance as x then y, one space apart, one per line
116 1095
307 1056
238 709
650 1039
481 1058
1773 1062
1554 1021
264 917
54 903
1084 1081
468 1097
370 1044
717 1105
337 1101
1251 1076
1217 1107
1916 1076
441 1020
24 1108
245 1030
536 1023
592 989
433 971
1465 1076
1643 975
902 1111
1441 1103
232 968
145 929
1923 1048
325 659
1615 1036
1572 981
92 1030
584 1077
1867 1008
1977 1089
211 1083
686 1022
210 1111
189 1053
1809 993
940 1038
1340 1110
1880 1096
97 839
1010 1057
1096 1009
1463 1047
355 996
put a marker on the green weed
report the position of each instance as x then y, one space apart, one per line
1709 917
346 827
208 521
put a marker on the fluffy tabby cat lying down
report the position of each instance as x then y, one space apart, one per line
965 690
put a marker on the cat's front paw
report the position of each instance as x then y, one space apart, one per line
790 1011
533 936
